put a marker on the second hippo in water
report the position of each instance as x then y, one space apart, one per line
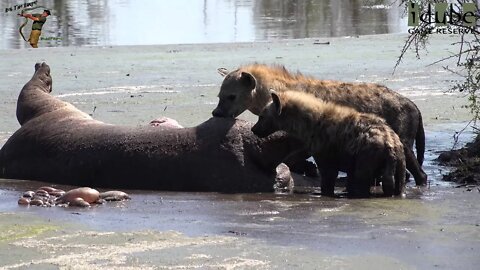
81 197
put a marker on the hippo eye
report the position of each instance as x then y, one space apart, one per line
231 97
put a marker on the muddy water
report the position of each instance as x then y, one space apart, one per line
128 22
437 227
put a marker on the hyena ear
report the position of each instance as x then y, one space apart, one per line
248 80
222 71
276 101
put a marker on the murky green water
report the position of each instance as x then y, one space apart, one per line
436 227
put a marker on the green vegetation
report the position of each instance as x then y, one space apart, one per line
14 228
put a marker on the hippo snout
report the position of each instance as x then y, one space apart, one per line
259 132
217 112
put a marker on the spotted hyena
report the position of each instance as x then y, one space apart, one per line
247 88
340 139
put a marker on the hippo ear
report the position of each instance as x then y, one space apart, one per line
222 71
37 66
276 102
248 80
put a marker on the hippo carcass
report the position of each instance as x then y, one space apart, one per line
60 144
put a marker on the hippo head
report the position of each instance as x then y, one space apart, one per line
42 73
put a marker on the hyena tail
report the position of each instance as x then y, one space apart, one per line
400 170
420 140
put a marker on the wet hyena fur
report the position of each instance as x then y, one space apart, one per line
247 88
340 139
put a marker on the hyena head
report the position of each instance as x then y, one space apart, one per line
269 119
235 94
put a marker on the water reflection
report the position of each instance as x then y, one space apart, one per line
142 22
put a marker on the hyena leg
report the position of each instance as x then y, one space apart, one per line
414 168
400 177
388 178
297 162
358 187
362 177
328 176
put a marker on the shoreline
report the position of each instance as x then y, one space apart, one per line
272 41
